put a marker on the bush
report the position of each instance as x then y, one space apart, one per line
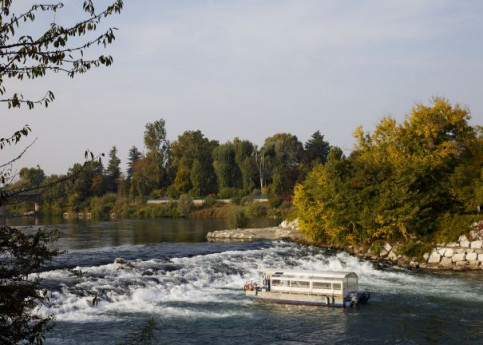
274 200
210 200
156 194
236 218
184 205
254 209
168 210
101 207
228 193
414 249
173 192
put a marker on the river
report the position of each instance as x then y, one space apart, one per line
192 290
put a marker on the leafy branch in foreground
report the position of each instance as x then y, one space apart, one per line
30 55
20 293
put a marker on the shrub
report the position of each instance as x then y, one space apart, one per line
275 200
210 200
236 218
227 193
254 209
184 205
156 194
414 249
101 207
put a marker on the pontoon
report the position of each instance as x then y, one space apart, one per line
332 288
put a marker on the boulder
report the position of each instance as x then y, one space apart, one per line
392 256
476 244
448 253
426 256
471 257
446 262
387 247
458 257
441 251
464 242
474 264
434 258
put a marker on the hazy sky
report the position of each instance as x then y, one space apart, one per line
250 69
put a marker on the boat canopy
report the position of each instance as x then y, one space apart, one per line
309 274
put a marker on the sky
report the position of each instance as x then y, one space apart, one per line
251 69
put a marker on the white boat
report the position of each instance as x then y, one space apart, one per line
331 288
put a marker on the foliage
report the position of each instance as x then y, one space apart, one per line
316 150
31 55
167 210
227 193
282 156
255 209
158 154
398 184
113 171
236 217
31 52
414 249
133 156
192 151
184 205
210 200
227 171
20 294
101 207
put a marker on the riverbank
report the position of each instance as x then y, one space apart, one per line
464 254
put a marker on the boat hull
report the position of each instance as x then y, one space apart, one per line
303 299
288 298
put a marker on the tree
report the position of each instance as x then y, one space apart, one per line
113 170
245 159
282 153
134 155
31 55
27 55
226 169
32 178
316 150
140 185
158 153
402 182
20 291
192 146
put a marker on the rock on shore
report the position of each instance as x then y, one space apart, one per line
285 231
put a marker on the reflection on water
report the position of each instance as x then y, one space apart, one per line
78 234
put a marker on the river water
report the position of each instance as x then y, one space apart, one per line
192 289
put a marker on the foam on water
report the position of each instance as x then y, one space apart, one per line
189 286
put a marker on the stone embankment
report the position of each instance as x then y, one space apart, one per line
466 253
285 231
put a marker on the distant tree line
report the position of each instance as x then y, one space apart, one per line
192 165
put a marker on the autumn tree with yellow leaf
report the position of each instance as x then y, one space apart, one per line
418 179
